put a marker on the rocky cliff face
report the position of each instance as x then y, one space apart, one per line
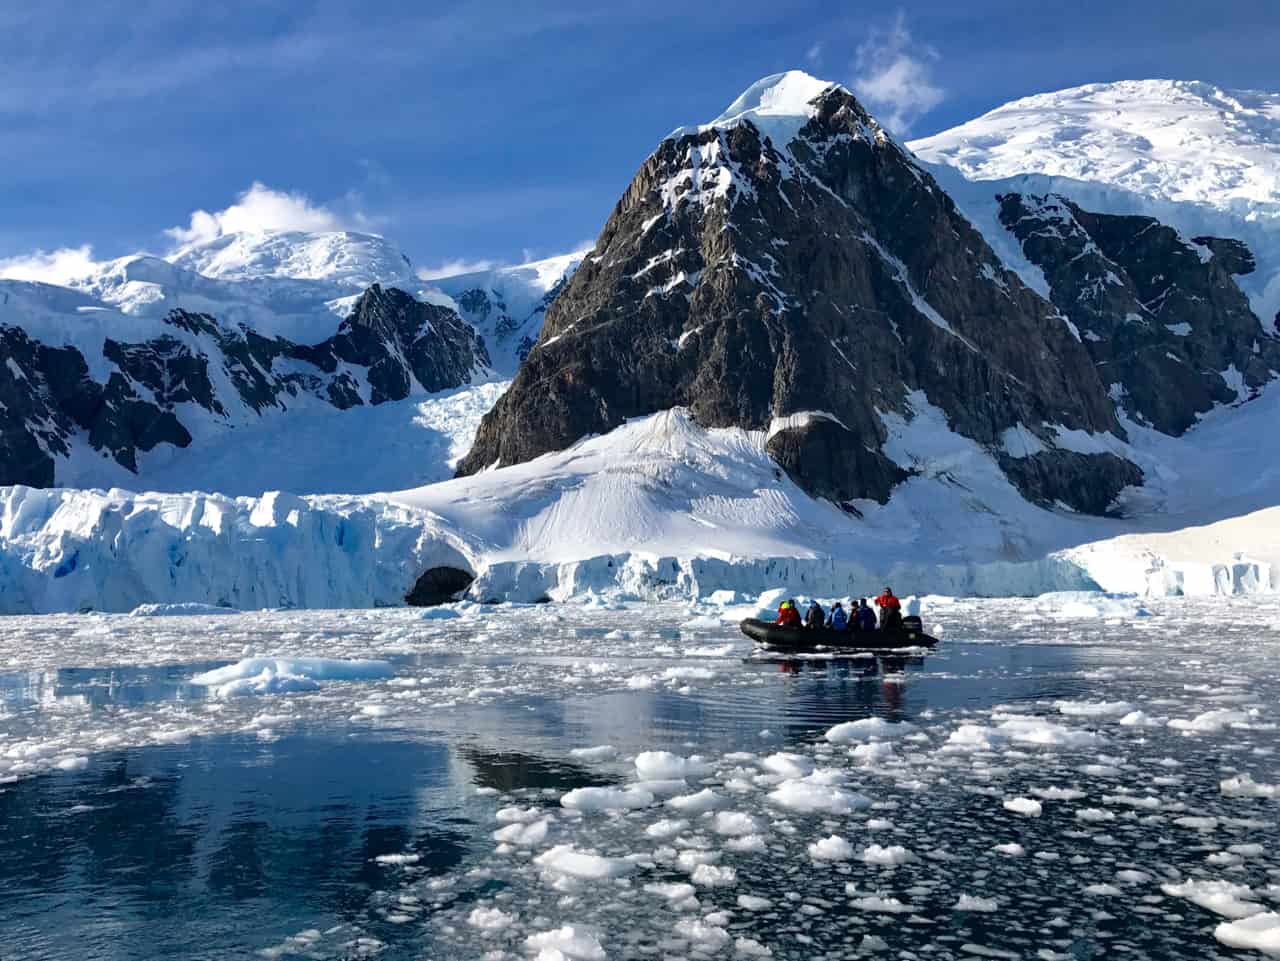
806 281
1162 316
155 390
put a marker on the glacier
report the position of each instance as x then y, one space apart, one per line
660 508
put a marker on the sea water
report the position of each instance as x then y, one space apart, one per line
1063 778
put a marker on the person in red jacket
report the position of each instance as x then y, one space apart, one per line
788 616
890 610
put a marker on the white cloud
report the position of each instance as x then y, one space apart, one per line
814 55
50 267
451 268
895 76
260 209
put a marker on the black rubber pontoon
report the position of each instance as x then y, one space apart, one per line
799 640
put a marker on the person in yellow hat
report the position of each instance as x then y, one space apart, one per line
788 616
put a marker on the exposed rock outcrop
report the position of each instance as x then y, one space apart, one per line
1165 322
387 348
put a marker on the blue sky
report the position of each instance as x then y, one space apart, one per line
496 131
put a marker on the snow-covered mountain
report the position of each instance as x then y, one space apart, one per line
1171 140
787 312
507 305
137 371
1202 159
790 264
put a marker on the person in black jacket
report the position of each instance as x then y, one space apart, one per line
815 617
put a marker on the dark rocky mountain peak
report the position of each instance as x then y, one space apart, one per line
796 272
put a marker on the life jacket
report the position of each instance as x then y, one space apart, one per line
888 601
788 617
839 619
866 619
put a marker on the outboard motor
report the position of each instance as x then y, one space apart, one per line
911 624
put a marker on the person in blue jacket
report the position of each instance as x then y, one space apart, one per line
866 616
839 619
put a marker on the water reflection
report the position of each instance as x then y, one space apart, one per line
92 687
236 839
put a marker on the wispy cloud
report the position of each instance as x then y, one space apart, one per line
261 209
50 266
895 75
814 54
451 268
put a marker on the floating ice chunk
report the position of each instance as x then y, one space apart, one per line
663 788
1259 933
181 610
567 860
563 944
814 794
1221 897
699 803
879 824
672 892
889 856
604 752
750 902
751 948
735 824
517 815
72 764
1244 785
1197 822
713 876
663 765
876 904
1141 719
524 835
688 673
1093 708
1133 877
866 729
833 848
1024 806
666 828
439 614
274 675
490 919
974 737
398 859
1013 849
748 843
1103 890
707 938
1094 815
592 799
1033 730
1210 722
788 765
1058 793
981 905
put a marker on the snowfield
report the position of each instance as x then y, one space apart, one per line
1202 159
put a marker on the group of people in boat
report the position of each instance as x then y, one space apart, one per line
859 617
